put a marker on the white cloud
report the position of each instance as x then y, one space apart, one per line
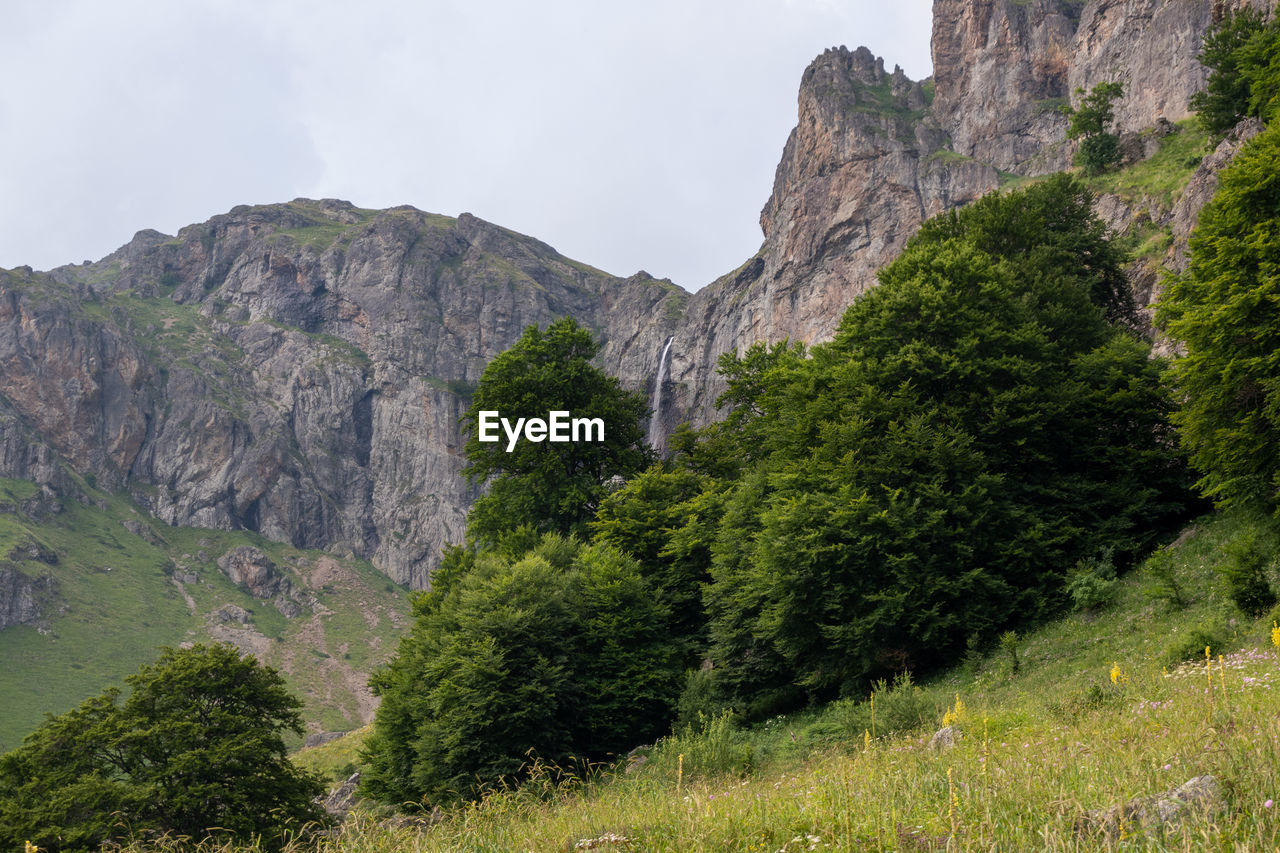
632 136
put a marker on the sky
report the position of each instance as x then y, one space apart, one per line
629 136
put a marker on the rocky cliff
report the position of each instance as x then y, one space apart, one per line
873 154
299 369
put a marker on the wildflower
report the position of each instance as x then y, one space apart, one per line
31 848
1117 675
955 713
1275 633
1268 804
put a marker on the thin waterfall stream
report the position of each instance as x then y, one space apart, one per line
655 420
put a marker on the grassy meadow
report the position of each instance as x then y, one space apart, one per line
1061 729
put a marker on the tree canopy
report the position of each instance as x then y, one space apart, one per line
1226 311
196 750
560 654
1099 148
975 428
550 486
1242 53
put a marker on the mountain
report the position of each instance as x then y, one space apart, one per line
291 376
296 370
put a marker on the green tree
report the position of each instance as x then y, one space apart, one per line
550 486
975 428
1225 309
666 521
1225 100
196 750
1099 148
561 654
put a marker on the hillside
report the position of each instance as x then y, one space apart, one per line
297 370
1073 746
249 431
90 587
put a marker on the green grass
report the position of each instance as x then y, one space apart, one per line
1042 748
336 760
1161 178
115 620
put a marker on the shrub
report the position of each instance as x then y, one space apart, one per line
698 700
1164 585
1191 646
1099 149
196 750
1009 645
899 706
560 655
1246 576
706 747
1092 584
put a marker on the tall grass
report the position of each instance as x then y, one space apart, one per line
1093 718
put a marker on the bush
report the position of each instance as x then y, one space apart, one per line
1164 585
1099 149
1246 576
1009 645
1191 646
899 706
1092 584
196 750
698 700
708 746
560 655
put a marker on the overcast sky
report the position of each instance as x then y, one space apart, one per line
639 135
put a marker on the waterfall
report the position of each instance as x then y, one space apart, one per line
655 420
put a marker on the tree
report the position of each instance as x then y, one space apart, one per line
1225 309
1099 148
976 427
196 751
666 520
550 486
561 654
1225 100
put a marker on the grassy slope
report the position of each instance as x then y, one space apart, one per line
121 603
1041 748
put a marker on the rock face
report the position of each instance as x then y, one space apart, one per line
295 369
1001 70
300 369
1196 799
865 165
23 599
254 570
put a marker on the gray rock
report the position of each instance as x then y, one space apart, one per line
321 738
288 607
29 549
233 613
143 531
249 567
24 600
343 798
1196 799
945 738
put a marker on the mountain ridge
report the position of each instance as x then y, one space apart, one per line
299 369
